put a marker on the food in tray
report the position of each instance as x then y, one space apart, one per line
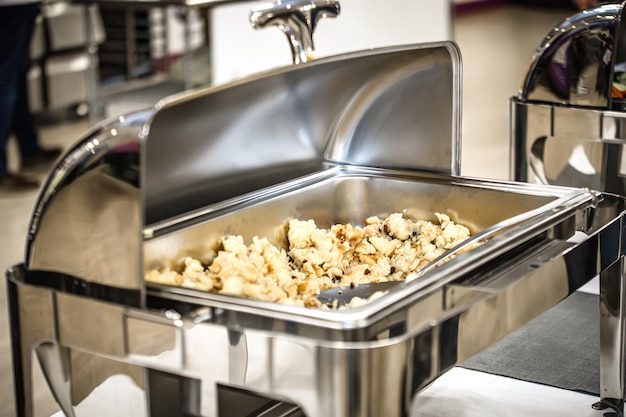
315 259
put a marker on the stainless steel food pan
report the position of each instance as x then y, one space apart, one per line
508 217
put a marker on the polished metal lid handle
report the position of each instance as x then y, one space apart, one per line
297 19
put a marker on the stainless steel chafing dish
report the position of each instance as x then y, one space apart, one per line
336 139
567 119
567 126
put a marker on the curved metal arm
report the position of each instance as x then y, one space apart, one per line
573 65
297 19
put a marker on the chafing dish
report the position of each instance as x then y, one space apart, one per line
567 123
335 139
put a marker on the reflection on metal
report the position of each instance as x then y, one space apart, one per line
568 146
389 108
298 20
567 125
87 220
54 360
90 372
573 65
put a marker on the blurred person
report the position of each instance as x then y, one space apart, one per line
585 4
17 22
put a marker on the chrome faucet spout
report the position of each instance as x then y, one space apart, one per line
298 20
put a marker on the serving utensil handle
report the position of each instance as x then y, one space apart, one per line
297 19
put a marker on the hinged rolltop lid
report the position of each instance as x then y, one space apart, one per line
580 61
395 107
392 108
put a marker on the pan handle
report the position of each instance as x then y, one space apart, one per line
297 19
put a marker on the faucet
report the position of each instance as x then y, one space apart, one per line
297 19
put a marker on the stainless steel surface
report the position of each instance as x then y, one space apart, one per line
573 65
87 220
54 361
66 79
35 93
612 366
351 195
394 107
37 45
297 19
66 28
89 372
342 295
566 128
30 312
568 146
337 297
378 143
59 75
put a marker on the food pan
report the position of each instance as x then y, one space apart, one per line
505 216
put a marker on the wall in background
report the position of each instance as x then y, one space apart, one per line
239 50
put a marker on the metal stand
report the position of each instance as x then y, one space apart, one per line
612 321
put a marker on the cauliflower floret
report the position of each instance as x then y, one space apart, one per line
398 227
233 285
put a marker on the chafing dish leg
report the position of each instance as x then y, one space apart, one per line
55 365
22 374
612 332
604 405
31 313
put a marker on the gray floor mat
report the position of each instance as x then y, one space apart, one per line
560 348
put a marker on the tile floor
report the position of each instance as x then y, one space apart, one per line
495 46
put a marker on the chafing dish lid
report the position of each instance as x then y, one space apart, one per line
576 62
392 107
